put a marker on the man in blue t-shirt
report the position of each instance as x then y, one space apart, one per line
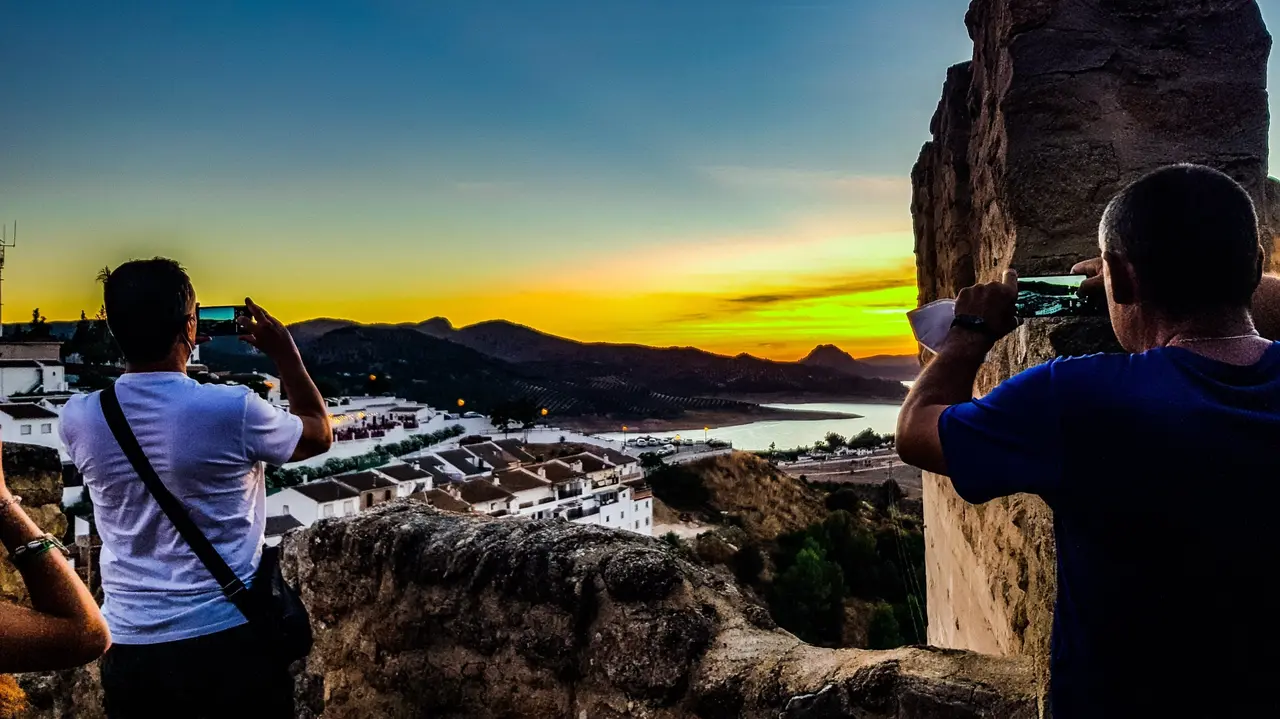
1159 465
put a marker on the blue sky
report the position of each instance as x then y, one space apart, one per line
606 170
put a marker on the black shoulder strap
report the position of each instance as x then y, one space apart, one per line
232 587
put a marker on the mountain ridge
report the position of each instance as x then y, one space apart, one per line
519 343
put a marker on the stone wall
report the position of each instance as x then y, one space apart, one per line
1063 103
422 613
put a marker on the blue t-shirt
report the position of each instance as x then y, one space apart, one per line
1163 473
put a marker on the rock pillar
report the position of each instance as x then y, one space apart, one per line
1063 103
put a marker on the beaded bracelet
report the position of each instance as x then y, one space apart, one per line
36 547
12 501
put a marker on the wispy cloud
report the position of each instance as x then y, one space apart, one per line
854 287
809 181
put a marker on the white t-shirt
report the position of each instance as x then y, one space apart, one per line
208 443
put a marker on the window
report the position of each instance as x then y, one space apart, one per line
26 429
46 428
622 515
348 507
328 510
646 521
286 508
637 524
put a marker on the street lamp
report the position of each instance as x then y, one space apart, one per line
704 434
624 436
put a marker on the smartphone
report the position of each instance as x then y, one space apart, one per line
219 321
1056 296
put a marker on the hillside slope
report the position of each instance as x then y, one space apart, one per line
745 490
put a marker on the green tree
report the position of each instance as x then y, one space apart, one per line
866 439
651 461
852 547
39 326
883 631
808 598
834 441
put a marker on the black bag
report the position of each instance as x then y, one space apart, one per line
270 604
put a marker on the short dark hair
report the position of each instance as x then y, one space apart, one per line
148 304
1183 222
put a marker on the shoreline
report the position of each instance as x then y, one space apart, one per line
804 398
692 419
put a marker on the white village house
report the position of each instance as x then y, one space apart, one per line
30 423
499 478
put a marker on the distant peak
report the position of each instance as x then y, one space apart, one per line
436 326
827 352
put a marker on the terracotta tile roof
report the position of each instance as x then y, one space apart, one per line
277 526
590 462
555 470
518 480
515 448
437 472
493 454
326 490
364 481
614 456
27 411
442 500
475 491
463 460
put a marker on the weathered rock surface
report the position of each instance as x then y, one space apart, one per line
423 613
35 474
1063 103
420 613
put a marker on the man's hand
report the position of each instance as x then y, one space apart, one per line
1095 284
995 303
267 333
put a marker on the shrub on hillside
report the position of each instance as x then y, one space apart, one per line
808 598
883 632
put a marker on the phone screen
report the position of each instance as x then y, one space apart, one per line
219 321
1056 296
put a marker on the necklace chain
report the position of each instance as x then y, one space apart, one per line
1192 340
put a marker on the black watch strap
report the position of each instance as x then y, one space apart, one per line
974 323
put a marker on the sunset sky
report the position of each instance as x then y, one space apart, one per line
730 174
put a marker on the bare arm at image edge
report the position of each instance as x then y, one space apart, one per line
305 401
63 627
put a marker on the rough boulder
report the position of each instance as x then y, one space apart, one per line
419 613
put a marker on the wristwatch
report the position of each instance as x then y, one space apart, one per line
974 323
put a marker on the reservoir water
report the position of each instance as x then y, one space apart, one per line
787 434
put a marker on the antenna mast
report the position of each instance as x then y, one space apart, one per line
6 241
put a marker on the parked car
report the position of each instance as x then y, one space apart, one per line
669 450
472 415
640 442
717 443
688 443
